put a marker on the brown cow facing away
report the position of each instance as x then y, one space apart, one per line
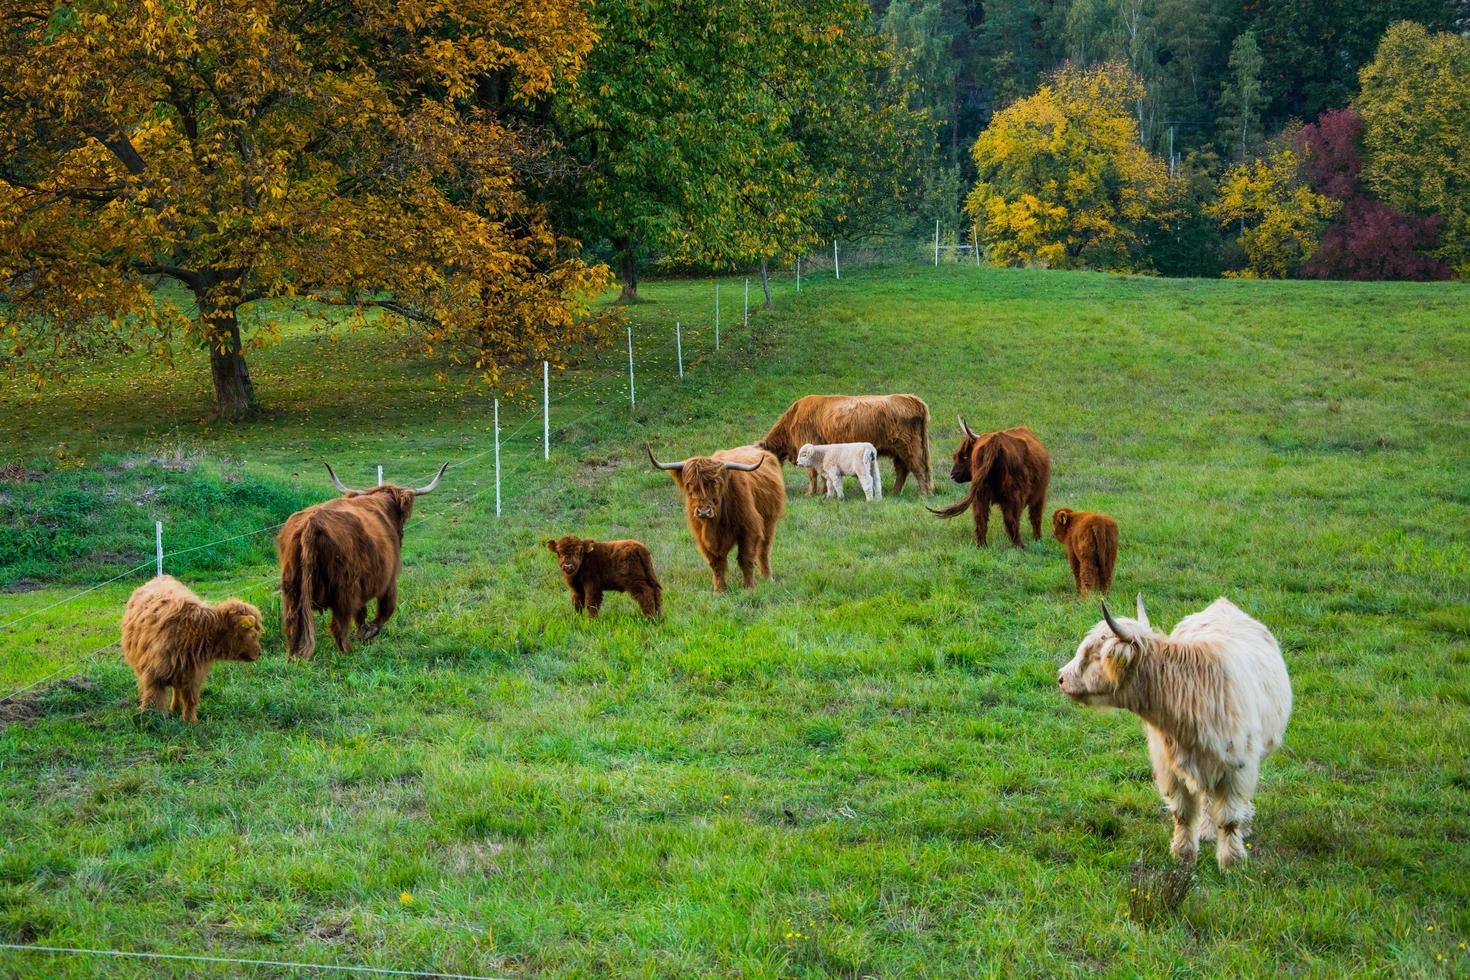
1091 541
732 500
896 425
340 555
1010 468
171 638
593 567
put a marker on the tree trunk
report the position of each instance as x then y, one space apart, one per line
234 395
766 282
627 269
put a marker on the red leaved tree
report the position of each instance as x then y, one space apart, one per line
1370 240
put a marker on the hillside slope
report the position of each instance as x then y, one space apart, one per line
861 768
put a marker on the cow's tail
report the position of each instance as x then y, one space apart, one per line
980 467
958 507
296 617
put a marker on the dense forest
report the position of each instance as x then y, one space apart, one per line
1216 83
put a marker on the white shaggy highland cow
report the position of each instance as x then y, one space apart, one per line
836 460
1214 697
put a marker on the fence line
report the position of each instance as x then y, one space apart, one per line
586 387
194 958
62 602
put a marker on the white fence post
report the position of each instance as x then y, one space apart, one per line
798 273
679 347
158 544
836 268
717 316
380 474
632 396
545 410
936 241
497 457
745 317
976 231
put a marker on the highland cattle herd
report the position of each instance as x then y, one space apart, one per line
1213 695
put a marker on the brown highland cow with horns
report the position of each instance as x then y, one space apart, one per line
339 555
732 499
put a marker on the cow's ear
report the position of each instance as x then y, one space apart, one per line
1117 661
1062 518
550 545
587 544
248 623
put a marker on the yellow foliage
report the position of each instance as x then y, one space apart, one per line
1064 181
1280 216
249 149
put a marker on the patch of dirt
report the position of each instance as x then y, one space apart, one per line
331 929
15 473
27 707
18 585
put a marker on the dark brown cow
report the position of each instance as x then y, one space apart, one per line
896 425
1091 541
593 567
732 499
339 555
1009 468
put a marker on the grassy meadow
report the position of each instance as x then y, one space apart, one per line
861 768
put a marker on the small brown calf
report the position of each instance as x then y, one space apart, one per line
171 637
1091 541
593 567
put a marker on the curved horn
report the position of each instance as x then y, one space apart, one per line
1118 631
965 428
1142 616
338 483
432 483
663 466
742 467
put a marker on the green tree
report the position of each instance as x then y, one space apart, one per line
249 149
1313 49
734 132
1243 99
926 37
1415 103
1063 179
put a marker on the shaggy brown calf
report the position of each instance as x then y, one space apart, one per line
171 637
1009 468
594 567
1091 541
896 425
339 555
732 499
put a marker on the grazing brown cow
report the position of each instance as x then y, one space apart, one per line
732 499
1091 541
1009 468
593 567
171 637
896 425
339 555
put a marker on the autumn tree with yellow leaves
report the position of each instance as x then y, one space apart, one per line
1279 216
348 153
1063 179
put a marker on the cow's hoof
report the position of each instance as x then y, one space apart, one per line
367 631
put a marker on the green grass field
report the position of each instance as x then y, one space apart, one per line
863 768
